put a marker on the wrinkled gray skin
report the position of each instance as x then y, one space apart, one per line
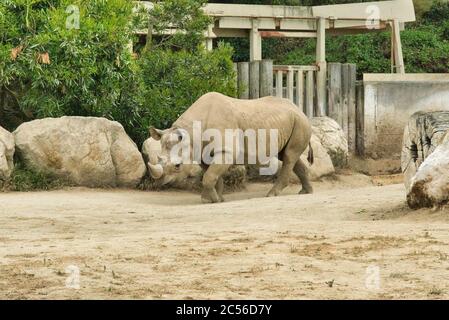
152 153
217 111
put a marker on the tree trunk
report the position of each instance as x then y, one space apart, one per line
423 134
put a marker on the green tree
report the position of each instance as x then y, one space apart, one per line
425 43
49 68
186 16
176 69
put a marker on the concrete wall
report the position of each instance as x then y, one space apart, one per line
389 101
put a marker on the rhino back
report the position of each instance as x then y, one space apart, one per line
218 111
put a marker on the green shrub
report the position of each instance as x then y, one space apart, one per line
173 80
86 67
186 16
91 71
173 71
436 11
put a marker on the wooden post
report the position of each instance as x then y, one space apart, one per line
310 86
397 48
255 42
351 108
345 79
266 78
290 79
392 48
254 75
243 80
279 85
360 119
236 74
321 63
334 99
300 89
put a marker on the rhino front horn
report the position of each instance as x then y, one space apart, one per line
156 170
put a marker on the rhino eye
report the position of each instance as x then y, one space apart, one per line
177 166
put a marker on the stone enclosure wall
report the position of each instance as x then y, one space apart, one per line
388 102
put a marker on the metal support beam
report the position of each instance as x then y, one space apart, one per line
322 67
255 42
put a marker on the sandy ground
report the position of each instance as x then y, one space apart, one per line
353 238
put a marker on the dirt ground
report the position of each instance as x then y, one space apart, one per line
354 238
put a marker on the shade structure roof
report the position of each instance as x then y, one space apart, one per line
235 20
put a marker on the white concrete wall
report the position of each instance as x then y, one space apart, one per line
390 99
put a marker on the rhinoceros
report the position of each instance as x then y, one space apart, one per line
220 113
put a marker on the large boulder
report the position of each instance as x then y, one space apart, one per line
87 151
332 138
425 159
6 154
322 162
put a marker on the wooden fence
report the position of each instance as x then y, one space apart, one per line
342 101
298 83
261 78
300 86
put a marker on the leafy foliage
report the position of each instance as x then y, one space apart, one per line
425 43
175 70
183 15
49 70
173 80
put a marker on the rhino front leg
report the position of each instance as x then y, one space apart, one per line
212 183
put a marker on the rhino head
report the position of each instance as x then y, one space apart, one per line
166 163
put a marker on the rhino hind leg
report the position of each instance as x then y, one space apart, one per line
289 159
213 183
303 174
220 188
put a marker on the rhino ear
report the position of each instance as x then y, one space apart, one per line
156 134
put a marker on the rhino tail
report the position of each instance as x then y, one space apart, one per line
310 154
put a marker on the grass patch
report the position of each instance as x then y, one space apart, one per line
26 179
435 291
339 158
